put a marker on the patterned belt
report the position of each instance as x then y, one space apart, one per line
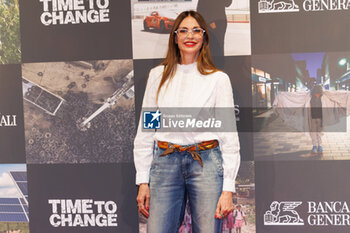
190 149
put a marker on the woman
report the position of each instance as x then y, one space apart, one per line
316 119
215 14
200 165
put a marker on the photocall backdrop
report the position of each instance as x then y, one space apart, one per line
72 80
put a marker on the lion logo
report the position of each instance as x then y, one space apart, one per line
272 6
283 213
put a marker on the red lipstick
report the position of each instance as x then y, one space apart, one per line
190 43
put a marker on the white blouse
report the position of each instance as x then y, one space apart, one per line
188 88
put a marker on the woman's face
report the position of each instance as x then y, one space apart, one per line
189 43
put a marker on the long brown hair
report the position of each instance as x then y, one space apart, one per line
205 64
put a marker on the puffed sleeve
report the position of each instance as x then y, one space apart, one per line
229 141
143 144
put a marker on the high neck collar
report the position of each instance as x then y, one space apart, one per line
187 67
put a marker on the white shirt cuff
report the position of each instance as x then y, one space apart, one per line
229 185
142 177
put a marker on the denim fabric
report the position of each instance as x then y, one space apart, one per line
177 176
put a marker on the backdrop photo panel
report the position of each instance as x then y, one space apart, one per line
82 198
228 22
14 211
10 44
302 196
79 111
11 115
75 30
237 68
282 90
299 26
72 79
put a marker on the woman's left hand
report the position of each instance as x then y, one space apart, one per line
225 205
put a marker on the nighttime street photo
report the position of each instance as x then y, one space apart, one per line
301 106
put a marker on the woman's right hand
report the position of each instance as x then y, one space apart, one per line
213 25
143 197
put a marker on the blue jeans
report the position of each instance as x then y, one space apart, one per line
175 177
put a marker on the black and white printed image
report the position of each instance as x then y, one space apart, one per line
79 111
14 211
301 106
228 21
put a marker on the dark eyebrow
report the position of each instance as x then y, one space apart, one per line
187 27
